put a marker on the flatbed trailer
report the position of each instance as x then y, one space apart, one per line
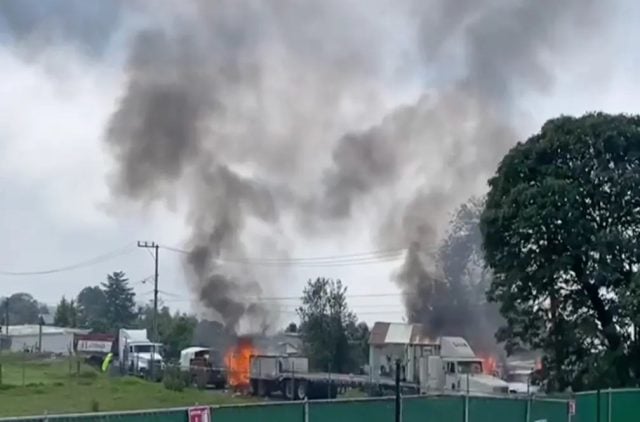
289 376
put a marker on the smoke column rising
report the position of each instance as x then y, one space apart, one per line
290 91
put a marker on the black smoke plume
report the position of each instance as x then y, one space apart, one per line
256 113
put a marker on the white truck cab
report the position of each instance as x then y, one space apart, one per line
520 382
457 368
468 375
137 353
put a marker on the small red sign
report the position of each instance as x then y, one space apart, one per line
572 407
199 414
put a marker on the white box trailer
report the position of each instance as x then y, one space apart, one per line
434 364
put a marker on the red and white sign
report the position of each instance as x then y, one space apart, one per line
572 407
199 414
93 346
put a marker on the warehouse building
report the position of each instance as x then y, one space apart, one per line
26 338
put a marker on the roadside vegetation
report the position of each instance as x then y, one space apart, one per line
53 386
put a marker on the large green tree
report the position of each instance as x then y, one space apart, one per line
468 279
324 321
92 309
66 314
120 306
21 308
358 337
175 331
560 230
450 296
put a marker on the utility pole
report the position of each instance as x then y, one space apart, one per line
155 247
398 406
6 315
40 324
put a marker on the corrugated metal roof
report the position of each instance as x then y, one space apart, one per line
399 334
378 333
396 333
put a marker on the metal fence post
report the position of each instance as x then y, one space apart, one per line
329 383
466 408
306 409
24 365
293 381
609 405
398 402
527 416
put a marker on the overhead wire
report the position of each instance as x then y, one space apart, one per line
361 258
278 298
90 262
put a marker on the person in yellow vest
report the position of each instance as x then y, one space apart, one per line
106 362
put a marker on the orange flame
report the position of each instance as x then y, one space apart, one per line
538 364
489 365
238 360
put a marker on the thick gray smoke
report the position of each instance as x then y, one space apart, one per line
253 112
34 25
508 48
231 89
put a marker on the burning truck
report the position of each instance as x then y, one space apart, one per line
426 365
264 374
204 367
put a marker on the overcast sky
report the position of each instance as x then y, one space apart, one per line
63 72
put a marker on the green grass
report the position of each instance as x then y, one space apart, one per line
60 386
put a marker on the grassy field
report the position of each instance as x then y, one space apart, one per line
33 387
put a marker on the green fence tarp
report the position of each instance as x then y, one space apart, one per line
433 409
293 412
621 406
382 410
625 406
548 411
489 409
587 408
173 415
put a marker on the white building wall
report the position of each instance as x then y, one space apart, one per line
383 358
58 343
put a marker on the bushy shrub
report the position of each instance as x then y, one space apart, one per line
174 380
95 405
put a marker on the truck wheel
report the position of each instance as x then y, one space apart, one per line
263 389
289 390
301 390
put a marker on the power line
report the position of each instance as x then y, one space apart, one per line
362 258
144 280
90 262
312 258
398 312
278 298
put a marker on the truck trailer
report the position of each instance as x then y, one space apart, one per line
434 365
290 376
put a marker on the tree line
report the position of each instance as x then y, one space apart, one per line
105 308
331 335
